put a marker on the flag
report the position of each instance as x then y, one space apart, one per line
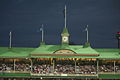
10 34
41 29
86 29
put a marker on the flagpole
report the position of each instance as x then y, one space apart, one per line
87 33
10 36
65 17
42 33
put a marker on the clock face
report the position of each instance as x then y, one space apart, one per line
65 39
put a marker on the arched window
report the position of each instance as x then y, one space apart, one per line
64 51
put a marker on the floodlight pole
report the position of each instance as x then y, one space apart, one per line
65 15
10 39
87 33
42 30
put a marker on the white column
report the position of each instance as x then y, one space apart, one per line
9 79
14 64
31 65
75 65
53 65
114 66
97 65
23 79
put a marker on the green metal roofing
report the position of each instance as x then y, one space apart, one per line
20 52
76 48
65 32
14 52
108 53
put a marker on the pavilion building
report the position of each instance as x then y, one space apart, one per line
62 61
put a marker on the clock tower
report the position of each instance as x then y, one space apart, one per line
65 36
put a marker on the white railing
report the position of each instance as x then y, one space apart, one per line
52 74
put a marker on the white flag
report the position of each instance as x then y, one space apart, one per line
41 29
10 34
86 29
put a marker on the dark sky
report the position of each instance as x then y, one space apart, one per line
24 18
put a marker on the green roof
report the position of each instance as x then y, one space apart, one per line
15 52
20 52
76 48
108 53
65 32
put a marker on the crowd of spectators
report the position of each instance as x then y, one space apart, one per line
86 69
43 68
64 69
6 67
106 68
22 67
59 68
117 68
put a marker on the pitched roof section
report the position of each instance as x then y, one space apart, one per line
47 51
65 32
109 53
5 52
